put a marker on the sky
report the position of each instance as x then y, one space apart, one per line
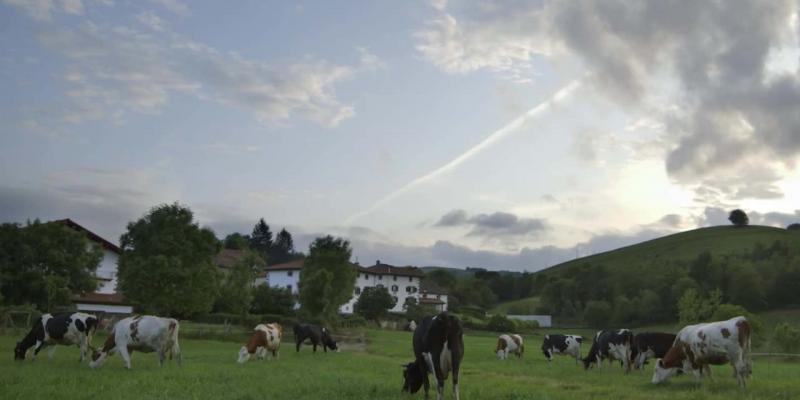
497 134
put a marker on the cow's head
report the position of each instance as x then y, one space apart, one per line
244 355
661 373
19 352
413 376
328 341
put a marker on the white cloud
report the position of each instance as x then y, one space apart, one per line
113 71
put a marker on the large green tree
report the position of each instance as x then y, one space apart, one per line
374 303
261 240
236 241
328 278
236 288
272 300
282 248
167 266
45 263
739 218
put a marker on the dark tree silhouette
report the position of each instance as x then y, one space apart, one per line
793 227
738 218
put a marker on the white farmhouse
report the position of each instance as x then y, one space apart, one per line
401 282
105 298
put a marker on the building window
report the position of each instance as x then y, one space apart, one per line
438 297
358 290
394 288
411 279
394 278
408 289
365 276
289 287
380 277
290 273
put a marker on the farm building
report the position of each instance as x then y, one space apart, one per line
106 298
432 294
402 282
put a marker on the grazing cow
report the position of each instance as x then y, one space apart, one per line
650 345
265 338
64 329
509 344
611 345
438 348
698 346
562 344
143 333
316 335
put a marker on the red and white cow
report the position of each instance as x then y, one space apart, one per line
509 344
265 338
143 333
715 343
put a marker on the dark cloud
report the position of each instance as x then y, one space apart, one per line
497 224
453 218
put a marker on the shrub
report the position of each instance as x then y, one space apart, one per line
786 338
500 323
526 326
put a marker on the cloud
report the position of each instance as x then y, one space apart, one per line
176 6
112 71
497 226
737 84
43 10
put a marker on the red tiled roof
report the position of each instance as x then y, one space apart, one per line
91 235
101 298
428 300
291 265
227 258
387 269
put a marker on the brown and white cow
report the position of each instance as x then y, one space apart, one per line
715 343
509 344
265 338
143 333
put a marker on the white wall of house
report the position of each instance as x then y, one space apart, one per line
104 308
398 286
106 272
284 279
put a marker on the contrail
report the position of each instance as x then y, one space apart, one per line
535 112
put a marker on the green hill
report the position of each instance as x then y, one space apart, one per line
756 267
686 246
524 306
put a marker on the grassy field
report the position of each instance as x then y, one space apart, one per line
209 371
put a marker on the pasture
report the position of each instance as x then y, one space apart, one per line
210 371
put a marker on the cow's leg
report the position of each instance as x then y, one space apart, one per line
84 344
298 344
426 384
162 355
456 365
176 352
37 348
51 352
126 356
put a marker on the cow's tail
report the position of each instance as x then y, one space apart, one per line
175 348
744 342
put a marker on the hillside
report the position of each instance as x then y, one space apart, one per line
686 246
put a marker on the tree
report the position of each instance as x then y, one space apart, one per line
793 227
597 313
738 218
283 248
237 241
272 300
786 338
693 308
501 323
45 264
236 291
166 266
442 278
328 278
415 311
374 303
261 239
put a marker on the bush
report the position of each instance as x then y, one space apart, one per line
525 326
786 338
499 323
597 313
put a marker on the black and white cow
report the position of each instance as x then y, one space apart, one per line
64 329
438 349
317 336
650 345
562 344
611 345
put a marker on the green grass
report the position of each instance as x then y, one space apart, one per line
210 372
524 306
